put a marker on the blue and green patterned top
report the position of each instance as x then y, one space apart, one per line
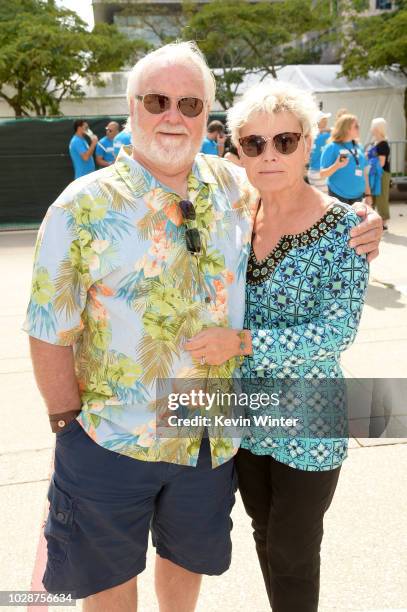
303 305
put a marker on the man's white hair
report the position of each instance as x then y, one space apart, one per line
178 53
274 97
381 124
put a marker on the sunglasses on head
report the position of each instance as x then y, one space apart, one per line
158 103
285 143
192 236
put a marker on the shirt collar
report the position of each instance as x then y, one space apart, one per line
203 171
142 182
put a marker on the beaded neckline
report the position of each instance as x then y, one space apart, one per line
259 271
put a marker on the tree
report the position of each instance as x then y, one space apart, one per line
46 55
376 43
240 38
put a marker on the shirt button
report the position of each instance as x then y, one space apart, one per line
61 423
60 516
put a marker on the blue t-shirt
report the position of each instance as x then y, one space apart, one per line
210 147
345 182
122 139
319 143
78 145
104 148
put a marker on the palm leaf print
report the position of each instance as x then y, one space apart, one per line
68 287
224 176
119 195
70 336
156 358
190 324
148 224
182 271
242 208
140 298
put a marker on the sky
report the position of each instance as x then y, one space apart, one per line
82 7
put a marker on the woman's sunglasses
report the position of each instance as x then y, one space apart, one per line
158 103
285 143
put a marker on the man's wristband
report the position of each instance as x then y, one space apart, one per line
61 420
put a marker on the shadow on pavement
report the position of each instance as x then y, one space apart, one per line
390 238
385 296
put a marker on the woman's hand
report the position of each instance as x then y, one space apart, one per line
341 162
337 165
214 346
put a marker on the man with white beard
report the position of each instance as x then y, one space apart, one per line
131 261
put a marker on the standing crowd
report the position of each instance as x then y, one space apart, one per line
88 153
349 172
338 163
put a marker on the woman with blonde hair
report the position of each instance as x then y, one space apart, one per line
304 297
379 155
344 164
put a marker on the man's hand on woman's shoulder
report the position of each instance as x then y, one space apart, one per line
366 236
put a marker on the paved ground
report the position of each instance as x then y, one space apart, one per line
364 561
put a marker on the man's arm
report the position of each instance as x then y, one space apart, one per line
89 152
54 373
366 236
221 144
102 162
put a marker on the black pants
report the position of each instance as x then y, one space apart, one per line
287 507
345 200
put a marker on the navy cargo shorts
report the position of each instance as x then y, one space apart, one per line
103 505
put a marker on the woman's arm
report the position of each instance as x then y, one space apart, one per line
328 335
368 194
383 150
337 165
332 332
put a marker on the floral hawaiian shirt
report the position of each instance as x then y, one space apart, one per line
113 278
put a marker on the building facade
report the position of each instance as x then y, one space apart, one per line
155 21
158 21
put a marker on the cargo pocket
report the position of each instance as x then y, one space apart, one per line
72 427
58 528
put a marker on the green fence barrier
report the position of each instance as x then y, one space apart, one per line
35 166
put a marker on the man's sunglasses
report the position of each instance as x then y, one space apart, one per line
192 236
285 143
158 103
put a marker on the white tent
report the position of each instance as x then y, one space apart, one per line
379 95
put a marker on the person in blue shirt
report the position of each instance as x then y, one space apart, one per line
214 143
80 151
344 163
104 148
320 140
122 139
